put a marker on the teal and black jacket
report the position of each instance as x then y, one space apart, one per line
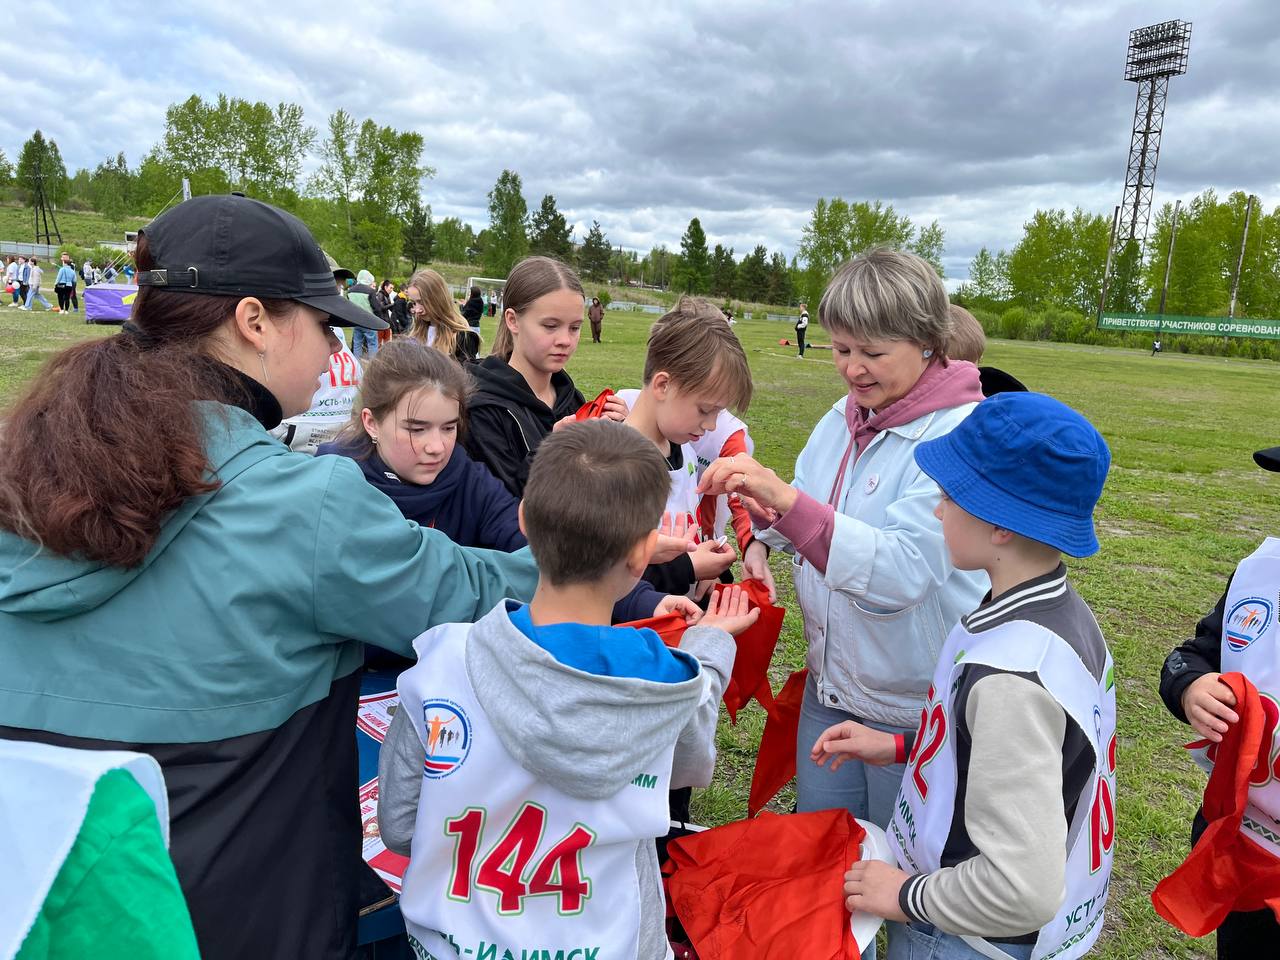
232 655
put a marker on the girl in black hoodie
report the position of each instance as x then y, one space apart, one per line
522 390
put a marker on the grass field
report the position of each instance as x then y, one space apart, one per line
1183 504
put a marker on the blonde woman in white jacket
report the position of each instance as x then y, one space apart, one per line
876 587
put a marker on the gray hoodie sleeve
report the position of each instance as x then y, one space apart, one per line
695 756
399 783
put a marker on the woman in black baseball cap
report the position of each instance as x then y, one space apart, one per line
176 581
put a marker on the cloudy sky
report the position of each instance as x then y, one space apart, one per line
643 115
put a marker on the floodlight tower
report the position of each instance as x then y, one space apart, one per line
1156 53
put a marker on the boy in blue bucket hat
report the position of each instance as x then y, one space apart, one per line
1005 821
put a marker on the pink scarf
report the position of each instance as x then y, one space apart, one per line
940 387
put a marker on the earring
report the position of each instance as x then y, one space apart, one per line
928 354
262 359
374 440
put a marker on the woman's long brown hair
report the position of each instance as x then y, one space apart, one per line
438 310
107 440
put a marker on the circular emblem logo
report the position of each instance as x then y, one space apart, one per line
448 735
1247 621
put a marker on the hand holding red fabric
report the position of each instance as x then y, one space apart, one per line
1226 872
594 409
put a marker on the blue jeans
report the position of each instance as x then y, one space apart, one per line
366 338
34 294
866 791
923 941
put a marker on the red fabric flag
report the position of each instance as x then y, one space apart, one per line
776 758
1226 871
766 889
755 650
670 627
594 409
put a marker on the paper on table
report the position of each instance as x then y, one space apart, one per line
874 847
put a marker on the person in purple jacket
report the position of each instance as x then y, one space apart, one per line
403 434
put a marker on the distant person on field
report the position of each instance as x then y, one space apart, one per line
381 303
20 276
130 273
35 275
364 343
968 342
109 275
11 278
802 324
493 302
88 274
474 309
595 313
64 285
1156 347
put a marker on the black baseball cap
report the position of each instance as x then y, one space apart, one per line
1268 459
229 245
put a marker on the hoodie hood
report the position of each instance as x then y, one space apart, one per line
46 587
416 501
500 384
365 277
588 734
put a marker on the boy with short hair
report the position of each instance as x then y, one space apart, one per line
694 369
1005 820
526 771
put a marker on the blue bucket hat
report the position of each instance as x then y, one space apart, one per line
1027 463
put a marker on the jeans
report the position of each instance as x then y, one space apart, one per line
864 790
800 332
366 338
35 294
923 941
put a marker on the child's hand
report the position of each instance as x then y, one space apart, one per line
755 566
851 740
872 886
730 610
761 515
563 422
691 612
615 408
675 537
712 558
1207 704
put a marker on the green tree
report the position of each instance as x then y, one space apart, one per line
983 283
753 275
780 285
929 245
40 160
507 241
259 149
339 174
593 255
418 233
453 240
549 231
111 187
837 230
1059 260
724 271
658 266
694 273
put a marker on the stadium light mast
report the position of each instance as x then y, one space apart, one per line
1156 53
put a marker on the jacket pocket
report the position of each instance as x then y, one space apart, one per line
815 602
886 652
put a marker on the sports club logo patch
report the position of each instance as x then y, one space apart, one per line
1247 621
448 733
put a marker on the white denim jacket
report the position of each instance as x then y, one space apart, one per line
876 620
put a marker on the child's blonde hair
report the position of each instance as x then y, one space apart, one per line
966 340
438 310
698 349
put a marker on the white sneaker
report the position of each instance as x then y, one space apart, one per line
24 308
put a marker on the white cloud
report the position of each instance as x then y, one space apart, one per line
742 114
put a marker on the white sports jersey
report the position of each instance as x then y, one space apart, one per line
925 807
1250 646
502 863
336 393
683 498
